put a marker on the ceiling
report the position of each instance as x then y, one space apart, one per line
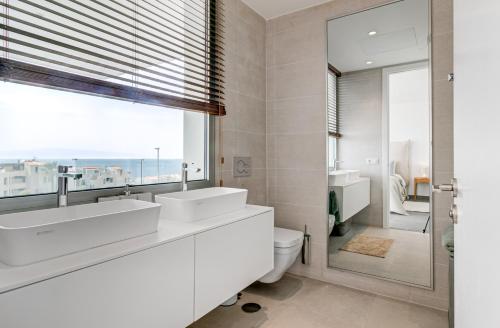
402 33
274 8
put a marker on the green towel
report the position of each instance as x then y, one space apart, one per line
334 207
447 240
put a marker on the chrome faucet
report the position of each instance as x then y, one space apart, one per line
62 184
127 191
336 164
184 176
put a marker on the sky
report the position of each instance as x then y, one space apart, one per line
42 123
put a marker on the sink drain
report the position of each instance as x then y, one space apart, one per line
250 307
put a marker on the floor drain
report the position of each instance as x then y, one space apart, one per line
250 307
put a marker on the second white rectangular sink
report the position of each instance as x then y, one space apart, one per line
200 204
343 177
33 236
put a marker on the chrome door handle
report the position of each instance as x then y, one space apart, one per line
454 213
453 187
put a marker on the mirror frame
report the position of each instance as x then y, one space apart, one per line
385 155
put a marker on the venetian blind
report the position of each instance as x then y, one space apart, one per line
161 52
333 115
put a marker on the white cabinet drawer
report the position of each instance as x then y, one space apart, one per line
353 197
151 288
230 258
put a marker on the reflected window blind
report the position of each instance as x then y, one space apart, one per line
333 113
160 52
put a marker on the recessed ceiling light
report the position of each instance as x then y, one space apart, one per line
372 33
369 62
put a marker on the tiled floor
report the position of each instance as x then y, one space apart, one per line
305 303
408 259
414 221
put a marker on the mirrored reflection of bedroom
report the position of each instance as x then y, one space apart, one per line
380 219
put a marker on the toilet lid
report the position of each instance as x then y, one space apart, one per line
286 237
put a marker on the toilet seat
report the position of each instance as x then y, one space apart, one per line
287 250
284 238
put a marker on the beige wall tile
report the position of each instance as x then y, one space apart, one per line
251 115
244 126
251 42
253 145
297 44
442 21
299 79
442 56
229 148
301 151
230 120
247 15
293 187
298 115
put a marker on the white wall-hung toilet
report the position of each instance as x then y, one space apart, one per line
287 246
331 223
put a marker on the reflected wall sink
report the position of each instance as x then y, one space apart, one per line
33 236
343 177
200 204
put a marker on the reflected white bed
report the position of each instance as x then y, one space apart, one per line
399 175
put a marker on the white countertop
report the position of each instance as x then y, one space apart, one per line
350 183
12 277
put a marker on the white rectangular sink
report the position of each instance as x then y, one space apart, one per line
343 177
201 204
33 236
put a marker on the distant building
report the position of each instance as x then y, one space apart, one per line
27 178
30 177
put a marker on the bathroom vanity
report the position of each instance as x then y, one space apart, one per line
169 278
352 192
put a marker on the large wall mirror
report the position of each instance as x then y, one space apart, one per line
379 108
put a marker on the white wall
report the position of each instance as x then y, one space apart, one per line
409 119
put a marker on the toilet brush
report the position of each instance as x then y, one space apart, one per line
306 247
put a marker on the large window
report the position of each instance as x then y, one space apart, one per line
111 142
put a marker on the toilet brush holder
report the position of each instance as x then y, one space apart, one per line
306 247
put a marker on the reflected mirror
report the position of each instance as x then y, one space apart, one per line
379 182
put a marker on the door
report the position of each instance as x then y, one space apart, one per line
477 162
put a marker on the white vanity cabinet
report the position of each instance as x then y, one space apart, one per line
352 197
231 257
150 288
176 276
